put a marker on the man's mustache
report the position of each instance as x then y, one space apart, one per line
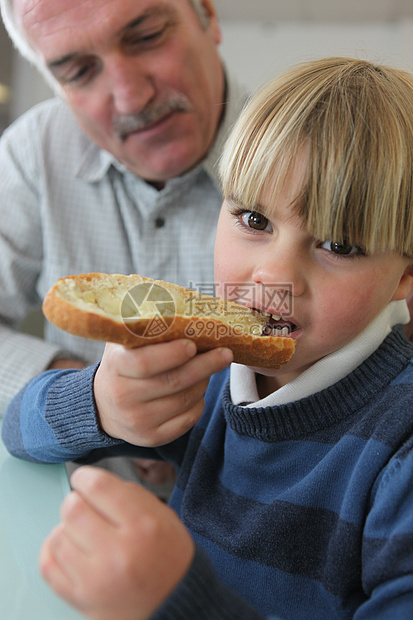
154 111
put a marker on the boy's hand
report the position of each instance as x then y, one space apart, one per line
118 552
151 395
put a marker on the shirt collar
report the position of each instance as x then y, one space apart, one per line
95 162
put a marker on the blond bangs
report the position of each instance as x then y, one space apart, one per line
262 147
357 120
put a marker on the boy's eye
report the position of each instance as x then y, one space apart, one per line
255 220
343 249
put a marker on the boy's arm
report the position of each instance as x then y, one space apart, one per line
53 419
387 569
147 396
121 553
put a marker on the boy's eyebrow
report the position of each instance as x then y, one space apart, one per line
237 202
153 11
265 211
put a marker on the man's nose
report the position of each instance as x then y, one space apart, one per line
131 88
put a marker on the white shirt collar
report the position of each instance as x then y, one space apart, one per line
326 371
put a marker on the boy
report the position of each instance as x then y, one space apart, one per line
297 483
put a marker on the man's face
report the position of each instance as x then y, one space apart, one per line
142 77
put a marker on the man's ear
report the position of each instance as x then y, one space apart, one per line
211 18
405 286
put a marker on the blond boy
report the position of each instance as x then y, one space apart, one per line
294 491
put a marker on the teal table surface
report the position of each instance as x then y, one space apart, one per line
30 498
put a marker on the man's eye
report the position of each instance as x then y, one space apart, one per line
147 37
151 36
81 73
143 39
343 249
255 220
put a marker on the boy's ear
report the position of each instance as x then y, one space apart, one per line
405 286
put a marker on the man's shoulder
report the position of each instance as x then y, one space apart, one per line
44 113
50 122
47 135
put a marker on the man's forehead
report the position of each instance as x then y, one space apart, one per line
30 12
48 24
41 9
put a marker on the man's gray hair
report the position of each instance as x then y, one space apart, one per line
20 42
17 36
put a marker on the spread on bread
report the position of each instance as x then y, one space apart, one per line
134 311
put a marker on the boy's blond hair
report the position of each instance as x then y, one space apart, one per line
357 120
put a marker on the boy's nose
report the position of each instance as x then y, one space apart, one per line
281 271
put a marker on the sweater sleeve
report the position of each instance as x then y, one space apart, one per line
203 596
387 558
53 419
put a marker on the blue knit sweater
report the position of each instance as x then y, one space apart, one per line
302 511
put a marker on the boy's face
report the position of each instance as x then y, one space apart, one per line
326 296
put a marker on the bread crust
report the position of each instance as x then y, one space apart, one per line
65 307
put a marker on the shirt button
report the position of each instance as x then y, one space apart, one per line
160 222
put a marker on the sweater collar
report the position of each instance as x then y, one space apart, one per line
326 371
328 407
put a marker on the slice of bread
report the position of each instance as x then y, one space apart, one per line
135 311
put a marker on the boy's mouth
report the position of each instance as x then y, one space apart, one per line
277 325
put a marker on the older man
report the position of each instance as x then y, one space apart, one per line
115 174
